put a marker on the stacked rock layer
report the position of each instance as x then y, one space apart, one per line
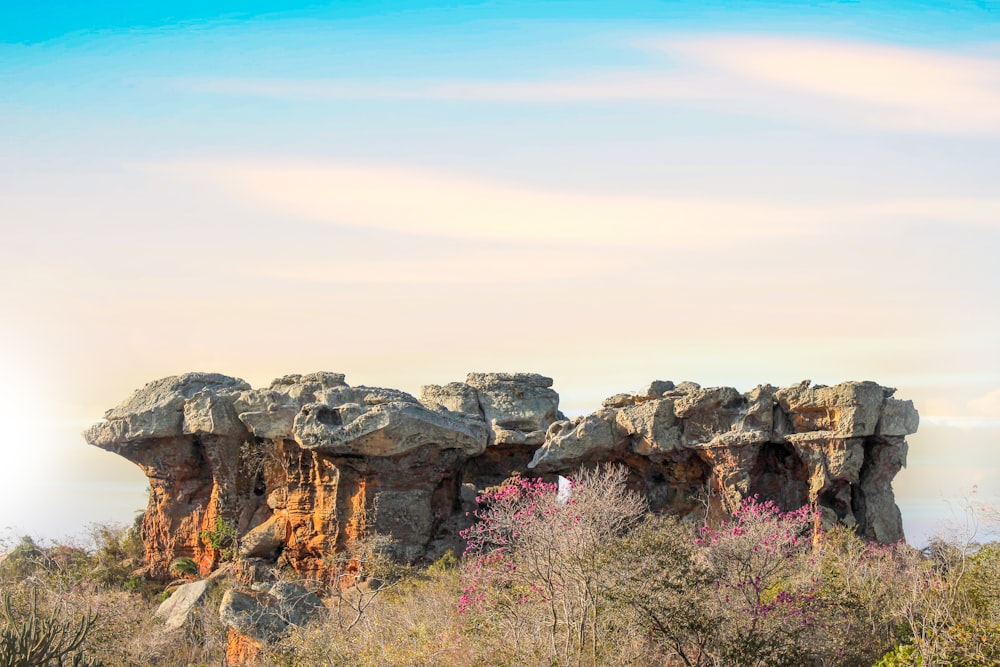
298 470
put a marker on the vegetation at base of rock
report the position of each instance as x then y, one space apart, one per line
183 567
96 586
594 580
584 580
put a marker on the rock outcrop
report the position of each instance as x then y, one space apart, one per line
297 470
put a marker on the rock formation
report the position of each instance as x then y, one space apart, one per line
297 470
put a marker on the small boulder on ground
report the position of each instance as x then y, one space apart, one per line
176 609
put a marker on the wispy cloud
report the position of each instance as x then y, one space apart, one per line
600 87
888 87
425 202
978 411
465 269
959 422
987 405
840 82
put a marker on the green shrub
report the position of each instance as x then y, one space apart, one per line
447 562
183 567
23 560
900 656
223 538
117 553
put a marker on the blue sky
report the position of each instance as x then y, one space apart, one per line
607 193
46 20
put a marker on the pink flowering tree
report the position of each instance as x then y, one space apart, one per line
584 579
764 594
538 561
508 515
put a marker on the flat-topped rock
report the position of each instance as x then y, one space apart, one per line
157 410
297 469
485 380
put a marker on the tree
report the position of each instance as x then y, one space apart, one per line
861 591
765 608
662 583
539 561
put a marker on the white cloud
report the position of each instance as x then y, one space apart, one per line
981 411
960 422
883 86
987 405
426 202
430 203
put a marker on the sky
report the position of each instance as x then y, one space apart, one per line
732 193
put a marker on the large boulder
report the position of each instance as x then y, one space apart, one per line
270 412
266 539
454 397
514 402
584 439
846 410
383 429
266 615
898 418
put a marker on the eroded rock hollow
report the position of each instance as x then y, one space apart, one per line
297 470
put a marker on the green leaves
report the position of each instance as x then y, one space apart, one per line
223 538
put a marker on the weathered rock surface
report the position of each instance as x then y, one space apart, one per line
265 616
159 410
300 468
256 618
177 609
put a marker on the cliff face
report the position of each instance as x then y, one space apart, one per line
300 468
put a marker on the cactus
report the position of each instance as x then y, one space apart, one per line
36 640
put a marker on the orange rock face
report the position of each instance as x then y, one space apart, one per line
185 501
242 651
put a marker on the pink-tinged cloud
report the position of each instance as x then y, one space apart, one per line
977 411
426 202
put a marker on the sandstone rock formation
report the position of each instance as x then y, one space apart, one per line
297 470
